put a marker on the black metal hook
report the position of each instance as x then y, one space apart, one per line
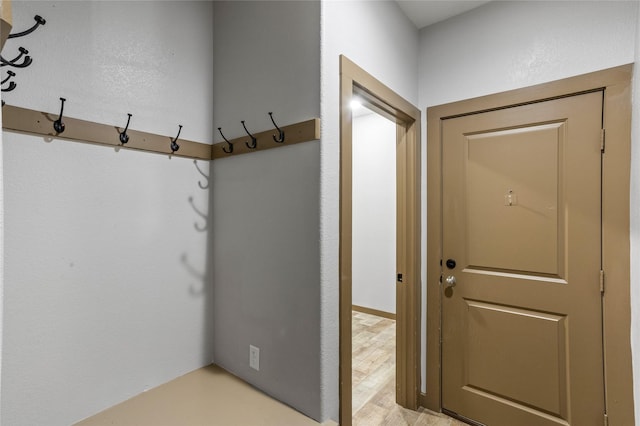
174 144
39 21
280 137
10 74
124 137
254 141
22 51
58 125
227 141
25 63
12 85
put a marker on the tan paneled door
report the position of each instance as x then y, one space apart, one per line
521 310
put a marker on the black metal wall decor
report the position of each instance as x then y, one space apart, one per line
228 150
280 138
22 60
58 125
124 137
254 141
174 142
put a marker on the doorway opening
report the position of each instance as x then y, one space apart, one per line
405 118
373 263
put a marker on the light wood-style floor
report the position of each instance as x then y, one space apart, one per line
373 376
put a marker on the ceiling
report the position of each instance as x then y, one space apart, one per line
427 12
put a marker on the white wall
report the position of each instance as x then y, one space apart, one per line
508 45
374 213
379 38
105 290
265 239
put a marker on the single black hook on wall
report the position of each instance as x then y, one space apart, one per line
124 137
227 141
254 141
12 85
58 125
174 142
39 21
280 138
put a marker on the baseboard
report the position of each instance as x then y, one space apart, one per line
375 312
422 400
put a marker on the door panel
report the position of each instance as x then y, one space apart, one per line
522 328
524 158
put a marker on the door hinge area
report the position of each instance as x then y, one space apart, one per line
602 140
606 420
601 281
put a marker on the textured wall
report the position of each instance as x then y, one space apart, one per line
374 213
379 38
265 205
105 289
508 45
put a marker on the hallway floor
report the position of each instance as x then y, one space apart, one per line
373 376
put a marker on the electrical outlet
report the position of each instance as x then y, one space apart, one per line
254 357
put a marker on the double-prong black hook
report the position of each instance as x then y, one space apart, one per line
230 150
12 85
25 63
124 137
254 141
58 125
174 142
280 138
39 21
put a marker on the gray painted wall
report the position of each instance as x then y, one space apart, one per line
265 239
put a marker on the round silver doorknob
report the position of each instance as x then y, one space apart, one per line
450 281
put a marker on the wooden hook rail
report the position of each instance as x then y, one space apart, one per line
295 133
41 123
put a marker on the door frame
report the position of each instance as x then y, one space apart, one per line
616 86
386 102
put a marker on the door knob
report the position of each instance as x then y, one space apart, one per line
450 281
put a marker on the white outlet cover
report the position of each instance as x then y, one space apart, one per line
254 357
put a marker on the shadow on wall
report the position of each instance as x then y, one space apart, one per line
202 285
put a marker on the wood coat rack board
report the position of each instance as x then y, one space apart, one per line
41 123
